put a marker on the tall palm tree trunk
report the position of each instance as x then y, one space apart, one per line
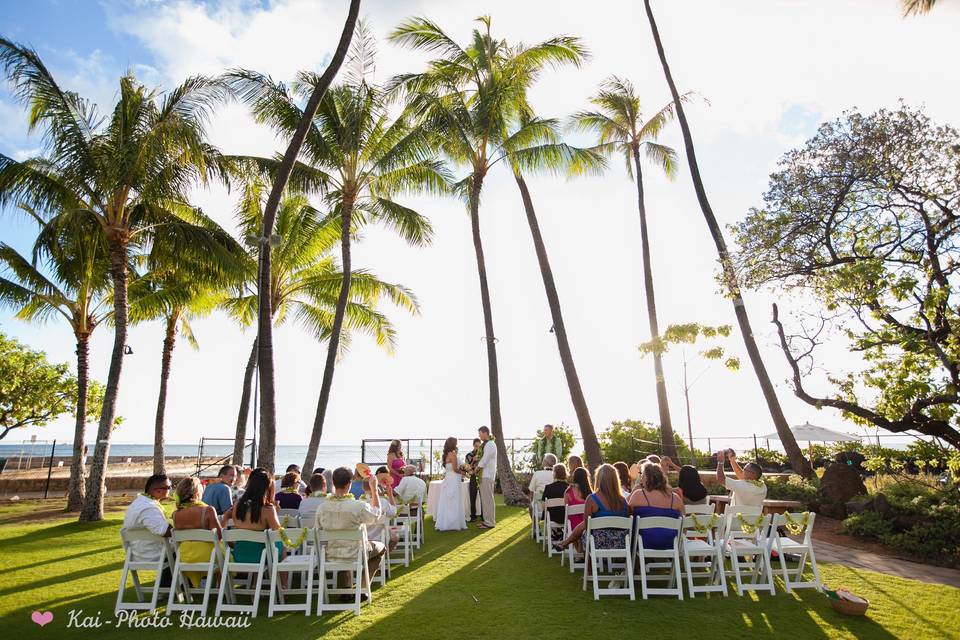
334 343
512 493
266 456
666 425
76 489
96 487
240 440
794 454
590 443
169 341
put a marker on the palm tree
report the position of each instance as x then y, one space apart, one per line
175 294
470 99
130 172
620 127
78 292
306 283
360 158
268 413
795 455
916 7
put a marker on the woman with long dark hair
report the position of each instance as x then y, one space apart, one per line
690 486
451 514
255 511
395 462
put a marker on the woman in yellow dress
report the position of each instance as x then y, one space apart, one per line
191 513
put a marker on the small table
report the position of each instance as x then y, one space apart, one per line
769 506
433 497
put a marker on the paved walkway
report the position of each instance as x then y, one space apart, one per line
827 552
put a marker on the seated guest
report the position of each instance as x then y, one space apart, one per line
691 488
356 487
240 480
668 465
301 485
576 494
541 478
145 513
388 509
340 511
255 511
310 504
748 489
289 495
219 494
653 498
411 488
556 489
623 471
193 514
606 500
573 463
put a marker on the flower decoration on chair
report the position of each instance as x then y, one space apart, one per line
795 526
292 544
704 527
748 526
757 483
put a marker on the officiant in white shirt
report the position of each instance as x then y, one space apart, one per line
487 471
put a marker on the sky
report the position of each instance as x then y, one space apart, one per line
770 71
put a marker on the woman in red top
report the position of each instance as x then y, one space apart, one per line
395 462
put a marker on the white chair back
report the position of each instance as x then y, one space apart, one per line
700 508
797 525
211 566
132 569
289 517
672 555
253 570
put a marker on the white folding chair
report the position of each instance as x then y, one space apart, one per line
254 573
299 559
536 509
700 509
357 568
672 555
210 567
748 548
133 568
382 573
571 552
702 545
289 518
799 525
549 526
403 523
596 558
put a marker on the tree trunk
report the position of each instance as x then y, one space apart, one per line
666 425
333 344
96 487
512 493
590 443
76 490
169 341
797 461
268 417
240 440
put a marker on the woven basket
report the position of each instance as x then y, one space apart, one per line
848 608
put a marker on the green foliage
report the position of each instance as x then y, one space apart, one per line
34 392
767 457
868 524
690 333
795 487
631 440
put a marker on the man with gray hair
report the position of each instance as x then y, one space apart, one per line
540 479
411 488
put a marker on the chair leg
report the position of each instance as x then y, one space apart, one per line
816 572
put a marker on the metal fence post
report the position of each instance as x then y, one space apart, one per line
756 454
49 469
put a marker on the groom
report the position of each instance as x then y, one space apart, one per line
487 471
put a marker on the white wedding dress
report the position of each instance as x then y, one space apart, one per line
451 515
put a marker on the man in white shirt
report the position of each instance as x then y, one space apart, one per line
748 489
341 511
310 504
145 513
487 468
411 488
540 479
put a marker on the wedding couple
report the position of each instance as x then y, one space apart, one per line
451 514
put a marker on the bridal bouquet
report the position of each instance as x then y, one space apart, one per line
466 469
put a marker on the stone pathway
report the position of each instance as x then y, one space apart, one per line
855 558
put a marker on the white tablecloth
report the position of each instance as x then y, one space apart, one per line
433 496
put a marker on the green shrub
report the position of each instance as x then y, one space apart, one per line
939 538
868 524
794 488
632 440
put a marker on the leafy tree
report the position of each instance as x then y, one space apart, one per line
731 285
130 172
865 218
619 125
474 99
917 7
633 440
34 391
305 284
280 179
76 291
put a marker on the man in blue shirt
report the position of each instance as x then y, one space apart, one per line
218 494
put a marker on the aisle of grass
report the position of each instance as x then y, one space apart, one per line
471 584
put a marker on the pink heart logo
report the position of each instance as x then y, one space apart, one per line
42 617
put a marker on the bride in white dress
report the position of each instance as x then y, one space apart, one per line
451 514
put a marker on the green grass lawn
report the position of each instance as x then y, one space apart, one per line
470 584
